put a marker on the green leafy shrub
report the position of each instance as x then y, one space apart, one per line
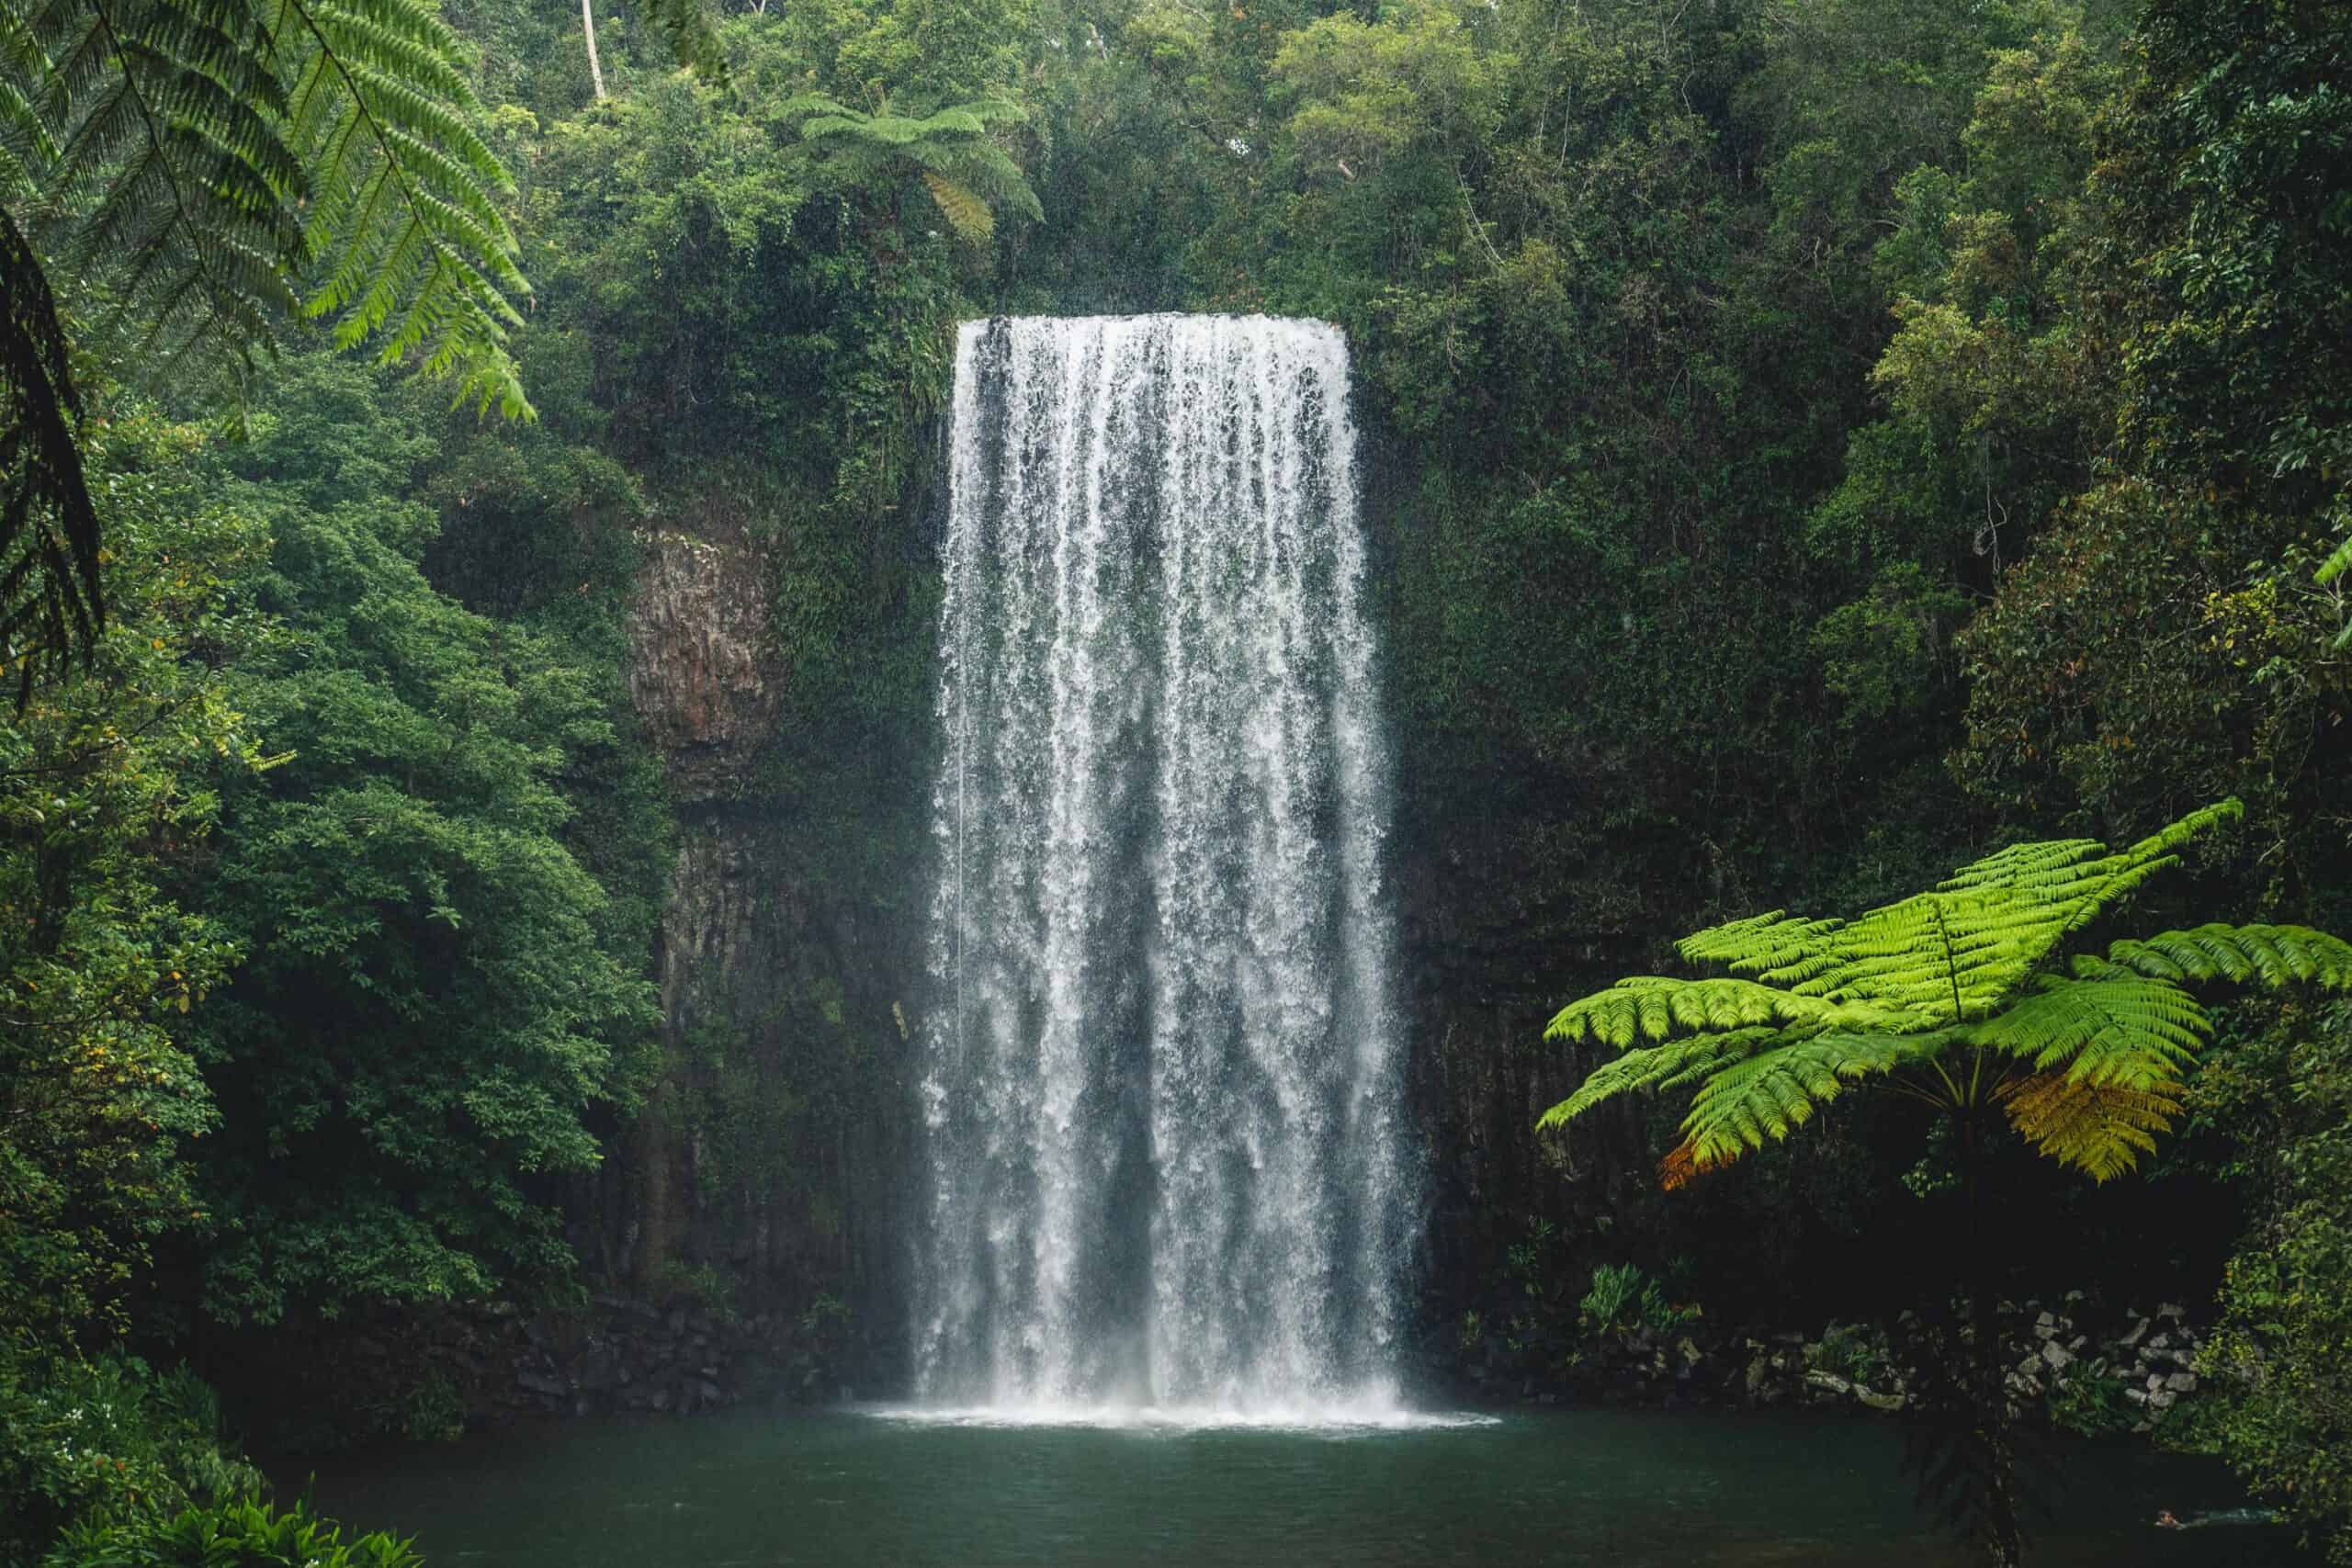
701 1284
2091 1405
239 1534
1849 1351
432 1411
1624 1301
106 1439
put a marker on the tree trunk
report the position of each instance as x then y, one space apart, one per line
588 25
1987 1369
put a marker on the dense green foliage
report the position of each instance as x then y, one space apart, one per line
434 993
101 1443
2284 1354
110 774
243 1534
1807 442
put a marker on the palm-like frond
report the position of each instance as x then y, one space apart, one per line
48 531
1956 996
1658 1007
2270 955
1763 1098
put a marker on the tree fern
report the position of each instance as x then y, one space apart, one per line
1963 997
965 172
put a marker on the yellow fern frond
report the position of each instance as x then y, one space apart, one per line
2099 1129
965 212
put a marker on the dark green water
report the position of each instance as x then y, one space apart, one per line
1620 1490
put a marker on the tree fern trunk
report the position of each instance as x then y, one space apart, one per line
2002 1536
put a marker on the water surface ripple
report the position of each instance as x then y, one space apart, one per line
1603 1489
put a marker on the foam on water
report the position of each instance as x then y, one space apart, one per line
1321 1421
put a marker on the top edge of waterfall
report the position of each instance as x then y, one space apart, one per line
973 325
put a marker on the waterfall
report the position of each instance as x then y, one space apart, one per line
1167 1160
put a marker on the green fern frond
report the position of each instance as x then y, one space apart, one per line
2272 955
1764 1097
1962 950
1673 1066
1777 948
1657 1009
2128 1031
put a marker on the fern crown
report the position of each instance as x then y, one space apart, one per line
968 175
1957 997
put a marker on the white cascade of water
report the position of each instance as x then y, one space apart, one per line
1167 1157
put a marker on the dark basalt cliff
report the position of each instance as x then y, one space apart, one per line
765 1171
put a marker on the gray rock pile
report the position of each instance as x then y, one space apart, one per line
2085 1374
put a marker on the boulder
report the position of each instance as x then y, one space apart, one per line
544 1383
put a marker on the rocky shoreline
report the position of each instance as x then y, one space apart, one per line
2075 1367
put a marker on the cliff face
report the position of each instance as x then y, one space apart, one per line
702 672
767 1165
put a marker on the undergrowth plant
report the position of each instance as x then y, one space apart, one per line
240 1534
